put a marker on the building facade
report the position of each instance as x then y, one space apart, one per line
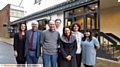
4 21
98 15
8 14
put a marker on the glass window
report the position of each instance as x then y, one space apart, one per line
78 11
80 20
90 8
68 14
92 21
42 25
68 22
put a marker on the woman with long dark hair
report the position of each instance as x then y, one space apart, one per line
68 47
19 44
75 31
89 46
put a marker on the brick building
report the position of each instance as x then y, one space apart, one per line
4 20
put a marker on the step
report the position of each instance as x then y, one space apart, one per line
111 49
116 53
106 46
118 58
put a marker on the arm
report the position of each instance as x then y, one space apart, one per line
42 38
96 44
15 42
58 41
62 50
97 47
15 45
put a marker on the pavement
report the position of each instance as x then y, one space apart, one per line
7 40
101 62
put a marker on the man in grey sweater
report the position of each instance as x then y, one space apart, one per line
50 41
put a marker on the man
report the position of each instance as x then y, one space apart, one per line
58 28
50 41
57 24
32 45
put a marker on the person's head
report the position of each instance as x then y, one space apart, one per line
66 31
87 34
57 23
22 27
75 26
52 25
34 25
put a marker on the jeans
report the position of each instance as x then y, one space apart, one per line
52 58
31 57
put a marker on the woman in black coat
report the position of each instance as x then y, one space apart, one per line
19 44
68 47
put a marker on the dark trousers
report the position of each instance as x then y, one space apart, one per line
88 65
78 59
31 57
20 61
58 59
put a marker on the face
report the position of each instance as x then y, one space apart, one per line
75 28
34 25
23 27
87 34
57 23
67 31
52 25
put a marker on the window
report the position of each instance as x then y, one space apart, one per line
68 14
37 1
79 11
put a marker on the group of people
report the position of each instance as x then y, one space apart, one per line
65 47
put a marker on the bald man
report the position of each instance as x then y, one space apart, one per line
32 45
49 41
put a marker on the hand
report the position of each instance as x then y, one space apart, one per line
15 53
69 57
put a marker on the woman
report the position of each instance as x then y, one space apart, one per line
19 44
89 46
78 35
68 47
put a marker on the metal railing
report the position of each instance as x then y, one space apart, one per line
107 41
114 36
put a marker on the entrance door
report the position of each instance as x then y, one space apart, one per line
91 21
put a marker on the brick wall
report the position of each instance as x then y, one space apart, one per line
4 18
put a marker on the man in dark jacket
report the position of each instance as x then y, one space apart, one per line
32 45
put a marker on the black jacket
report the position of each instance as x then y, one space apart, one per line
19 46
68 47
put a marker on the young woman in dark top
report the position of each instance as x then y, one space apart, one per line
19 44
68 47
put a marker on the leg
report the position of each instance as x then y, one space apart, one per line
58 59
29 58
18 61
78 60
53 59
46 59
35 60
88 65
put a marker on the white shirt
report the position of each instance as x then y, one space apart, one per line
59 30
78 36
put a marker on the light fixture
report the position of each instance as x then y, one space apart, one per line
79 10
118 0
69 23
96 6
93 8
